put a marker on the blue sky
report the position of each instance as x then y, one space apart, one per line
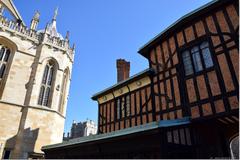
104 30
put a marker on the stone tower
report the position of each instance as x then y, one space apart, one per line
35 73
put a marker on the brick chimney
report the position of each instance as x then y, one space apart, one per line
123 69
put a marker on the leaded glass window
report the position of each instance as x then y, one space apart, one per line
197 58
4 57
123 107
206 55
187 63
46 86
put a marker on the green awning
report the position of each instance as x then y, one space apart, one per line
123 132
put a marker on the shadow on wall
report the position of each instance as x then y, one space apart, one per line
26 145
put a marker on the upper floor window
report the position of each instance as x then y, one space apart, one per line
46 85
123 107
196 58
4 57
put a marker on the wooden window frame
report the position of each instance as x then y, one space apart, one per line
189 48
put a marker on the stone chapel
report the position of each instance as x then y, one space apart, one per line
35 74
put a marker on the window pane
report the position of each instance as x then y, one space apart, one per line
207 57
182 137
2 50
204 45
118 108
175 137
2 70
123 107
7 55
169 136
50 76
197 61
46 96
46 82
188 136
45 74
128 105
41 95
195 49
187 63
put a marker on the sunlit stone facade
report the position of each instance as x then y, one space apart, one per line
35 68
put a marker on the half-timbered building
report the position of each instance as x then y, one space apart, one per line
184 106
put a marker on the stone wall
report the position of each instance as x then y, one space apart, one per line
26 126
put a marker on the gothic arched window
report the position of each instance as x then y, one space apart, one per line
4 57
63 91
46 86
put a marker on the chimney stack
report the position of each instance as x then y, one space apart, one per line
123 69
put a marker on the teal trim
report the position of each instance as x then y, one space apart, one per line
176 23
130 79
123 132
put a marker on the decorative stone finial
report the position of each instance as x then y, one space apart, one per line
67 35
46 28
55 14
73 47
36 15
52 28
35 20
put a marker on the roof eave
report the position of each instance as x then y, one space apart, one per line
181 21
119 133
120 84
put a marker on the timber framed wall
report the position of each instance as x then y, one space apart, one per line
140 110
210 92
202 100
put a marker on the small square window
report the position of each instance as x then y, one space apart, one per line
196 57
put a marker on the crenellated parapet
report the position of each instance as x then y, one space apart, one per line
17 29
37 37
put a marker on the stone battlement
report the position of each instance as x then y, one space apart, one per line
35 36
